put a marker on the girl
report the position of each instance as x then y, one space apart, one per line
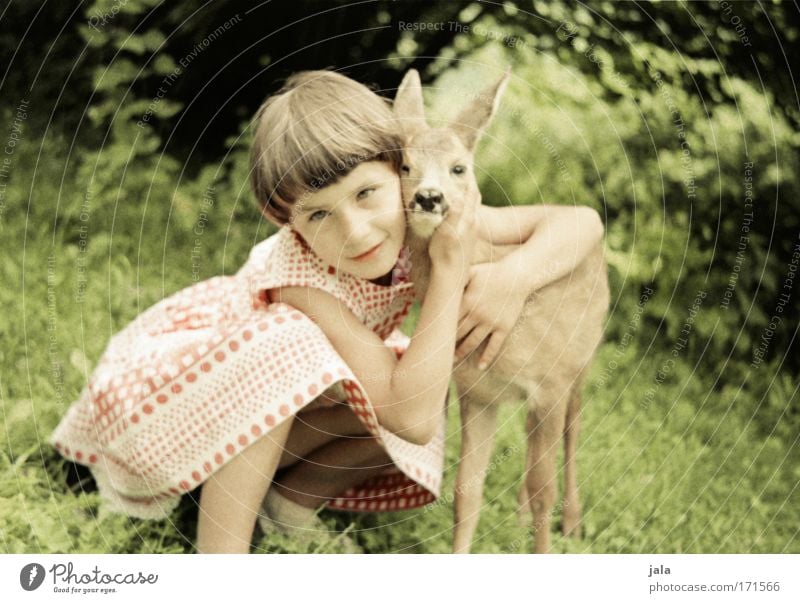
220 384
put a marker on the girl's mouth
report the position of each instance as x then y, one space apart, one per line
369 254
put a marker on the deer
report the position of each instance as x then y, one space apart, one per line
544 360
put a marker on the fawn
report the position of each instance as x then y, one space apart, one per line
544 360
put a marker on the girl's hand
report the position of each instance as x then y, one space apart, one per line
452 244
490 307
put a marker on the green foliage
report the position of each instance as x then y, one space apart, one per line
666 170
688 470
699 457
687 473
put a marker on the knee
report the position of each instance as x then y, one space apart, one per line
418 433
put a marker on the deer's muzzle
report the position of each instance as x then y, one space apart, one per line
429 200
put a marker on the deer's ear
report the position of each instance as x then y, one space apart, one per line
473 119
409 108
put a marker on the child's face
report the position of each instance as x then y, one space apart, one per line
356 224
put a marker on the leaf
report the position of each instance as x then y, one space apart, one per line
139 44
50 533
118 72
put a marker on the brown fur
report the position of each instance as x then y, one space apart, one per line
544 360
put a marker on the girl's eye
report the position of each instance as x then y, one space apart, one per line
405 170
317 216
458 169
364 193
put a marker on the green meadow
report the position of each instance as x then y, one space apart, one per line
690 437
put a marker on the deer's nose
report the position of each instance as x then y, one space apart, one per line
429 199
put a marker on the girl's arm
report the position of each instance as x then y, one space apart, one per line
553 240
408 394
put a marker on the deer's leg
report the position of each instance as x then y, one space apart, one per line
571 512
545 427
524 504
478 423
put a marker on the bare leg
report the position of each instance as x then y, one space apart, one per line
478 423
313 429
332 469
230 499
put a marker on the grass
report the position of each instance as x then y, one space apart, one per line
690 469
671 477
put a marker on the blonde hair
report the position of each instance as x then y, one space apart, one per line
316 129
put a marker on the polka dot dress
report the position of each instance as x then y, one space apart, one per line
201 375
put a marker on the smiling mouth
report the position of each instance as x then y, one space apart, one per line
368 254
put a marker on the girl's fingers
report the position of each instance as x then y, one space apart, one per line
454 214
466 218
472 341
464 327
492 349
459 343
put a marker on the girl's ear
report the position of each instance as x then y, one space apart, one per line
409 109
473 119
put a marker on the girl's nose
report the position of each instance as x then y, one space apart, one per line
356 225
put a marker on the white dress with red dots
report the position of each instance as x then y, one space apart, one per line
201 375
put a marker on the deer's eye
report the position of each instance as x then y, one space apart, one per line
458 170
405 170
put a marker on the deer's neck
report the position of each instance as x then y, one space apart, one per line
420 263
